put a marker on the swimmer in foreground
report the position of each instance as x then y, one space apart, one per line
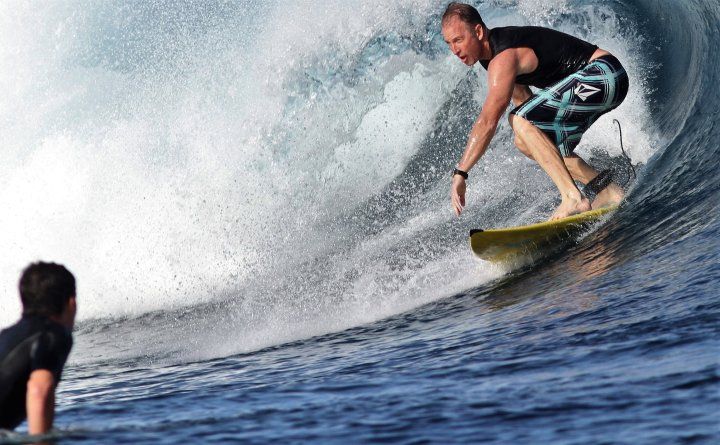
34 350
577 81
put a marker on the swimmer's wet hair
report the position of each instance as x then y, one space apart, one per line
466 13
45 289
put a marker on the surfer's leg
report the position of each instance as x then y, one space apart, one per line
581 171
522 147
557 117
545 153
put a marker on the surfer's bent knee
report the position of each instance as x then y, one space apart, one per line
513 120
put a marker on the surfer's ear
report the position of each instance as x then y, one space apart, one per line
479 31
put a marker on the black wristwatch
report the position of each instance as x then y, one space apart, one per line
457 171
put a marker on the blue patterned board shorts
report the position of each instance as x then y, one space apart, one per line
566 109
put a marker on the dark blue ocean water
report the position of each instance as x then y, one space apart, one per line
613 340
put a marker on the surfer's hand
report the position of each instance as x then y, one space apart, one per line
457 194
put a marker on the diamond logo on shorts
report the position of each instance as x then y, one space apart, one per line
584 91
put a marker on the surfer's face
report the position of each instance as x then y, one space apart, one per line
463 40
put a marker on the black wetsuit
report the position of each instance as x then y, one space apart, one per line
558 54
32 343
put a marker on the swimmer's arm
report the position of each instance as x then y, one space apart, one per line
40 401
502 71
520 94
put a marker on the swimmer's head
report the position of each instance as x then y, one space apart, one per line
48 289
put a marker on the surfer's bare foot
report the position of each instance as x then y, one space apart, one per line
571 206
611 195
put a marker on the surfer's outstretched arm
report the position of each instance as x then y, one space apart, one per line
501 83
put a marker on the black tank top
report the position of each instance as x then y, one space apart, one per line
32 343
559 54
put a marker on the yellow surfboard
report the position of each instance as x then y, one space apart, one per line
502 245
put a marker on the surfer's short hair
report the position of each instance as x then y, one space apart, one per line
45 289
464 12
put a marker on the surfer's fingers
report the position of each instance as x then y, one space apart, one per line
460 198
457 203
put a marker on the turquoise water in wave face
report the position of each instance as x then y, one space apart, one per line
339 301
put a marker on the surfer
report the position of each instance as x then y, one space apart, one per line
34 350
577 81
